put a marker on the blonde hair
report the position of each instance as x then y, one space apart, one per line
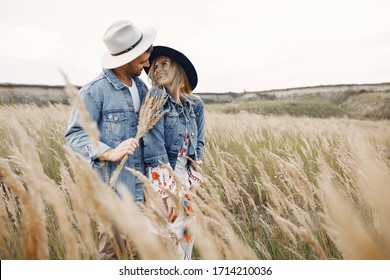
181 88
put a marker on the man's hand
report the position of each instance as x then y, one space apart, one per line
127 147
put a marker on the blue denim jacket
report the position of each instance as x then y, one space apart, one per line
163 141
110 105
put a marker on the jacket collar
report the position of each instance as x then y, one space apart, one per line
113 79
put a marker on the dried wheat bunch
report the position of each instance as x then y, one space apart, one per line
150 113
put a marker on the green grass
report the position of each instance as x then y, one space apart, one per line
309 108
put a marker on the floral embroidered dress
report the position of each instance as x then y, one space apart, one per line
162 180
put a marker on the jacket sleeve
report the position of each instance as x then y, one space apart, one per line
75 136
199 113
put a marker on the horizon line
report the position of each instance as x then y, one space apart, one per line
244 91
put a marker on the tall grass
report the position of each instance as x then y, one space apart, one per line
275 188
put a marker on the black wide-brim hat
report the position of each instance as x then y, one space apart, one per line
180 58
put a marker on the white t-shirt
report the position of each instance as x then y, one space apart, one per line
135 95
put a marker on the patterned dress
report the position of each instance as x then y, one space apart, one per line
162 180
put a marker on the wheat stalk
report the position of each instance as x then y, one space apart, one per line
86 122
150 113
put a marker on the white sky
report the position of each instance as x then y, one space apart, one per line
235 45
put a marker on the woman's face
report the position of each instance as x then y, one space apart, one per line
163 71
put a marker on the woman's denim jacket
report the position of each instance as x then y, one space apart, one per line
163 141
110 105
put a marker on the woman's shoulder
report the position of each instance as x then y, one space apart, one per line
197 102
157 91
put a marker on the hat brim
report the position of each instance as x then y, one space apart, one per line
109 61
180 58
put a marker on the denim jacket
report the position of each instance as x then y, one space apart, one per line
110 105
163 141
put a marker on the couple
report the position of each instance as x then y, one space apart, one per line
113 100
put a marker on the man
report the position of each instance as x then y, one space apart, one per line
113 100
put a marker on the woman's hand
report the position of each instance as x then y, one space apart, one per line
172 209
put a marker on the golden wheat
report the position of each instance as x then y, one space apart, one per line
274 188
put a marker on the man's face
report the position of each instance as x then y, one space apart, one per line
134 68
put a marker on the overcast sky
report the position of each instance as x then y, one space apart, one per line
235 45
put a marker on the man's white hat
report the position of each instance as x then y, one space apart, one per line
125 42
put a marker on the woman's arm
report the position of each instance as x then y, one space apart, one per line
199 113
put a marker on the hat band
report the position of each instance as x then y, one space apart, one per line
130 48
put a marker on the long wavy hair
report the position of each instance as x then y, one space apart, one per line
181 88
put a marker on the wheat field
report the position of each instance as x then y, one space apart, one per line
276 188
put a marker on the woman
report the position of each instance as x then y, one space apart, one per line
177 136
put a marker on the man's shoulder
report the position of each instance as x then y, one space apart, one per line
95 84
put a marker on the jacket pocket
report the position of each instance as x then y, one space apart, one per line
114 123
170 120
